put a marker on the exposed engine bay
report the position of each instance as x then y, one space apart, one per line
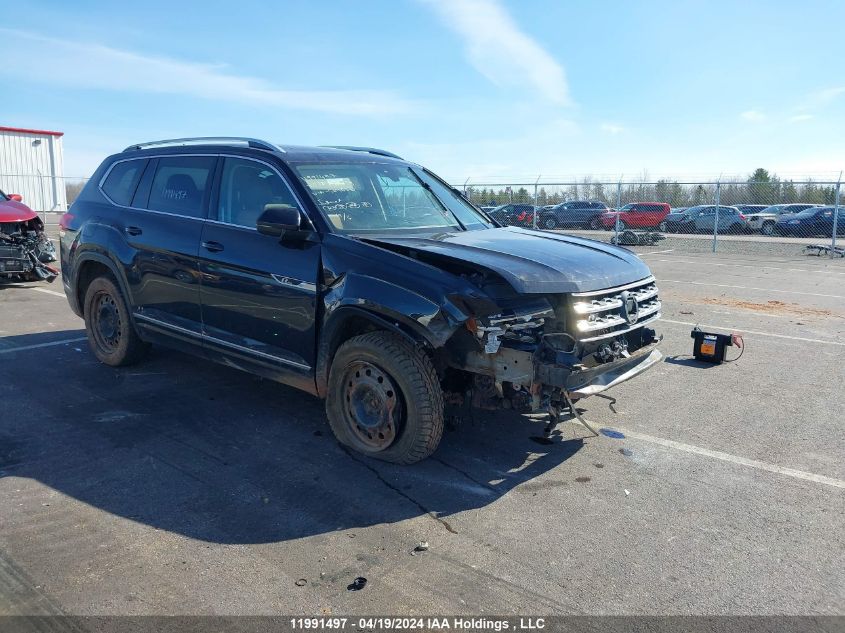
26 251
542 351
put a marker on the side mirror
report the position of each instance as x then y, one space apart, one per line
16 197
278 219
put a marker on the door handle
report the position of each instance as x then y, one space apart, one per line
214 247
132 230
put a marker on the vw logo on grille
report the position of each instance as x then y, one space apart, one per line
630 307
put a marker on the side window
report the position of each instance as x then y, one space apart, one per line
181 185
123 179
245 187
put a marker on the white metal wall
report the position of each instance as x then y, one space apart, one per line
32 165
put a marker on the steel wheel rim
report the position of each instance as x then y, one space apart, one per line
372 406
107 326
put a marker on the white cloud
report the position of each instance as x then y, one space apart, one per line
753 115
500 51
82 65
611 128
822 98
800 117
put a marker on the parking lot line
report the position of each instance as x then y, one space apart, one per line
740 329
48 292
791 292
670 250
23 348
727 457
708 263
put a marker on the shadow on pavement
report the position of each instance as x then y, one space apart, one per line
219 455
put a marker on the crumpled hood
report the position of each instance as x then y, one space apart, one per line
532 261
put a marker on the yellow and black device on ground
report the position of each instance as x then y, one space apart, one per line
711 348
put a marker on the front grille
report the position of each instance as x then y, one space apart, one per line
607 313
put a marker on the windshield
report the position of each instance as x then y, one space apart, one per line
374 197
778 208
3 197
628 207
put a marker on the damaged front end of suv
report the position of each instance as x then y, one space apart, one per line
551 318
557 348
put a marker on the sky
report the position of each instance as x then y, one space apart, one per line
485 90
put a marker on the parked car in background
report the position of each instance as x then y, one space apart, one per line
811 222
701 219
730 220
765 220
748 209
514 214
575 214
678 221
636 215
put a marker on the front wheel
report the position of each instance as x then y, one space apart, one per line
550 223
663 227
384 398
768 228
111 334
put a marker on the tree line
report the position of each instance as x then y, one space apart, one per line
760 187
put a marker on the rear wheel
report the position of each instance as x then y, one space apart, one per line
768 228
595 224
663 227
384 398
111 335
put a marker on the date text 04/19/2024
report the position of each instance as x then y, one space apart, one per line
415 623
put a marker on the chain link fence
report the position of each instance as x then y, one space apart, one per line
765 217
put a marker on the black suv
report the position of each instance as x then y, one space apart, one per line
575 214
351 274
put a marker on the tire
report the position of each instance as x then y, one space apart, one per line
595 224
549 223
768 228
111 334
663 227
373 376
623 226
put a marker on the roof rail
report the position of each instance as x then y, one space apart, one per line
369 150
209 140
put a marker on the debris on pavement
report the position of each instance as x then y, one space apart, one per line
301 582
359 583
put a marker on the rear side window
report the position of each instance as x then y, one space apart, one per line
123 179
181 185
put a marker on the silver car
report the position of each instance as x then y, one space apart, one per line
764 221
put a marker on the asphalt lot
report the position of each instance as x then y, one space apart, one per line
178 487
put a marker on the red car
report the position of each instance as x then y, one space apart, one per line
24 247
637 215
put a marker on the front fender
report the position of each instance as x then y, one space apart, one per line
357 300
